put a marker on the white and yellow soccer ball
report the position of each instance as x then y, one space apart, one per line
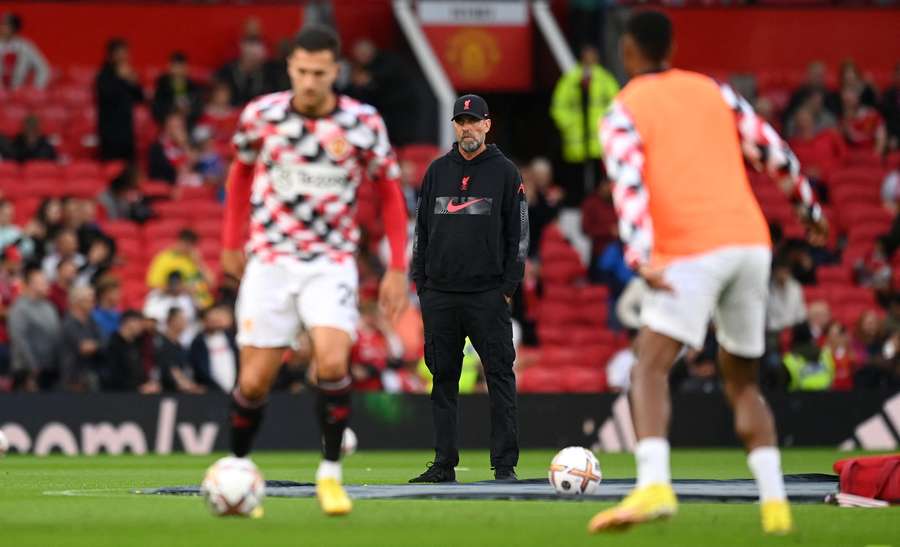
233 487
575 471
4 444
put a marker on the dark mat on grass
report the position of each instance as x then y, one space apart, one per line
807 488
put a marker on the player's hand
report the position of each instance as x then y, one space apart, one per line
818 233
233 262
655 278
393 296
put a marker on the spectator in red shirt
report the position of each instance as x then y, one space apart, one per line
862 125
172 157
10 287
377 347
838 342
219 118
820 151
66 273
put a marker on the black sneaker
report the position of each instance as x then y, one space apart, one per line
436 472
505 474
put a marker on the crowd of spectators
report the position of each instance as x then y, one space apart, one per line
64 323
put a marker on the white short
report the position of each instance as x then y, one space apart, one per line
729 285
276 300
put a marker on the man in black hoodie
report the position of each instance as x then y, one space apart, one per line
468 259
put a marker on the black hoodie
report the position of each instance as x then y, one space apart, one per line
471 225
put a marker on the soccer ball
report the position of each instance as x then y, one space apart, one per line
575 471
4 444
348 442
233 486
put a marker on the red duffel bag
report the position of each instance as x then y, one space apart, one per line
876 477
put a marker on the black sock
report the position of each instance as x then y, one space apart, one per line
333 412
244 417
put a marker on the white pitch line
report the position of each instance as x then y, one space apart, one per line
91 492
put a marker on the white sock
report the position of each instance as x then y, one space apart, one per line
652 456
329 470
765 464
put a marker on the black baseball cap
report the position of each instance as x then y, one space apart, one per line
471 105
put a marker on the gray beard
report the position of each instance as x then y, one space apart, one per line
470 145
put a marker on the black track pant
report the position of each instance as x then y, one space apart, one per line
485 318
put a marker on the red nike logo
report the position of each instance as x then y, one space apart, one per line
454 207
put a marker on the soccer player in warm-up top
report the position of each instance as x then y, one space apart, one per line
301 155
675 143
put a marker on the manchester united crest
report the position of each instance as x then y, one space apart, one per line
338 148
473 53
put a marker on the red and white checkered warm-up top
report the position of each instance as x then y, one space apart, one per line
306 175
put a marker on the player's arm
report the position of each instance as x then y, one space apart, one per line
420 236
765 149
515 234
385 172
239 183
624 159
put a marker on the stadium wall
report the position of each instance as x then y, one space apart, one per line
75 33
762 40
112 423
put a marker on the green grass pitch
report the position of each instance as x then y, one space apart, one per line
100 511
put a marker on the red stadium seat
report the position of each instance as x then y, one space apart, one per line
42 188
596 356
553 334
557 251
595 314
560 293
157 189
561 356
26 208
10 170
591 336
176 209
537 379
858 176
204 193
162 229
112 169
83 169
83 188
209 229
582 380
122 229
593 294
74 96
130 247
81 74
834 274
812 294
40 169
207 210
554 313
562 273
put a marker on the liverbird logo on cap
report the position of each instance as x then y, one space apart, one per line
466 104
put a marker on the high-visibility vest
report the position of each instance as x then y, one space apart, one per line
567 111
810 375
